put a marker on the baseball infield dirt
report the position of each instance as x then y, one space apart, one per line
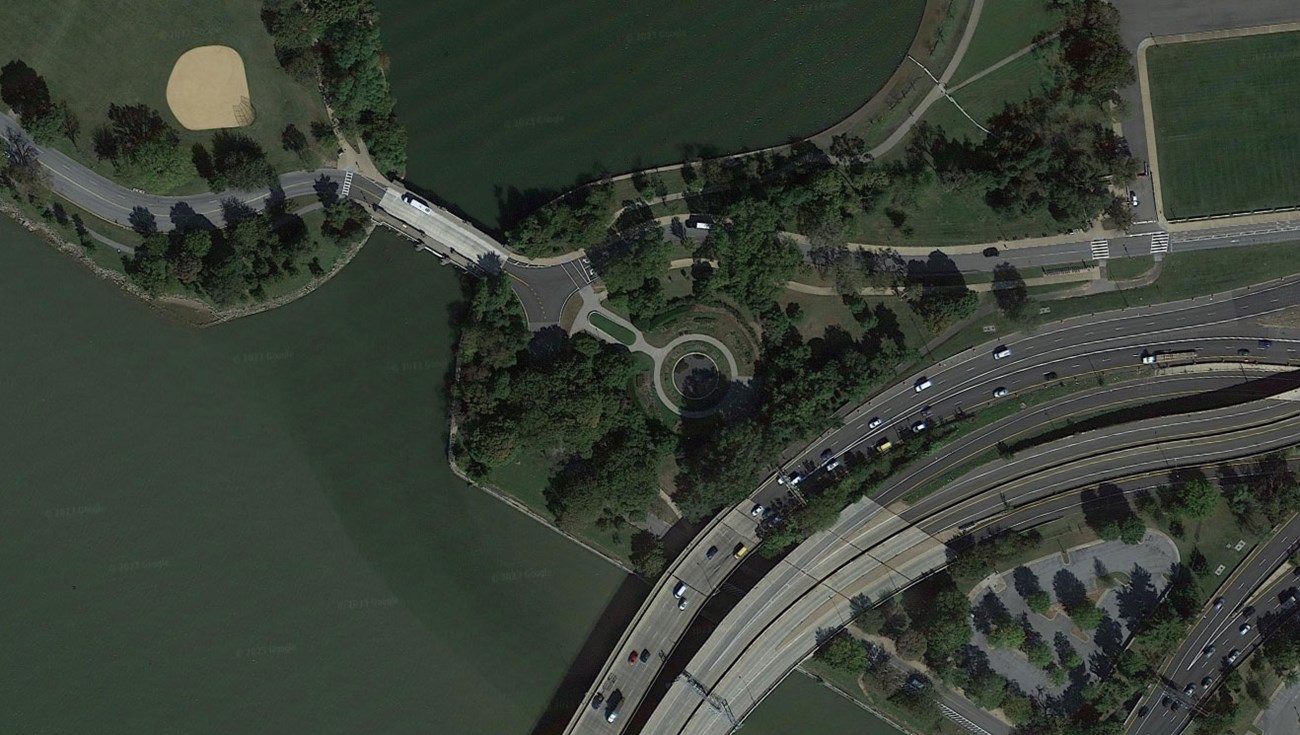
208 89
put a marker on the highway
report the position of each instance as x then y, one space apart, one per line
1217 327
750 653
1220 628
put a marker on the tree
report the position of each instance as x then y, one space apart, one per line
844 653
148 267
1009 635
145 150
345 222
911 645
386 141
26 92
1196 498
1039 654
1085 614
987 689
1018 708
293 140
1010 292
647 556
238 162
1039 601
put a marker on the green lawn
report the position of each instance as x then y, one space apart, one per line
1005 27
942 217
510 101
1123 269
1225 124
94 53
617 331
1025 77
1196 273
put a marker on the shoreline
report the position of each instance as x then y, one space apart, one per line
514 502
185 309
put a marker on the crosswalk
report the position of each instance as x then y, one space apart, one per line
347 185
1100 249
1159 243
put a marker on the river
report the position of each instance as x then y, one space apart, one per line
252 528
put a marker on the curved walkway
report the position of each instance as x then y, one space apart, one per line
591 305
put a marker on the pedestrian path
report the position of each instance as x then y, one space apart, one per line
1159 243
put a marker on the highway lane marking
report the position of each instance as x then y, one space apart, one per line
1057 405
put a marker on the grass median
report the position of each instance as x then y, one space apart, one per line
608 326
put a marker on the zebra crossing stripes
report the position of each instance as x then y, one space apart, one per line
1100 249
347 185
1159 243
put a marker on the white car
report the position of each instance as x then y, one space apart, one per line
757 512
834 465
922 384
1232 656
1132 198
918 427
874 423
681 603
679 590
1244 629
1001 352
999 392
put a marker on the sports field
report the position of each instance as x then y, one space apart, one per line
122 51
514 100
1226 130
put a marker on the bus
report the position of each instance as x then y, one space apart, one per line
415 201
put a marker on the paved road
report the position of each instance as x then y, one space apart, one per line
1220 628
1069 348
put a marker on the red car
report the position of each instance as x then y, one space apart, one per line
631 657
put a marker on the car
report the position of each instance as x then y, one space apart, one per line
1208 652
1207 681
1175 706
1218 603
1287 597
873 423
1144 711
834 465
991 252
681 603
611 706
1050 375
645 655
925 410
1166 701
1244 629
1233 655
1190 689
633 656
712 552
796 478
1001 352
922 383
918 427
916 682
1250 610
883 446
1264 344
1132 198
679 590
826 455
999 392
757 512
740 551
597 700
1243 352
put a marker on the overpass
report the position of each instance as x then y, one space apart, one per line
1218 327
778 623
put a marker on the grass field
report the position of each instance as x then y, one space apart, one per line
122 51
1005 27
1123 269
1225 124
939 217
510 101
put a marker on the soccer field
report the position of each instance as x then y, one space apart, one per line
1227 136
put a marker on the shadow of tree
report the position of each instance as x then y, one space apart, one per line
1068 589
1025 581
185 219
143 221
1138 598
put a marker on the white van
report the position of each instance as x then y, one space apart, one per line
412 200
679 590
1001 352
922 384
